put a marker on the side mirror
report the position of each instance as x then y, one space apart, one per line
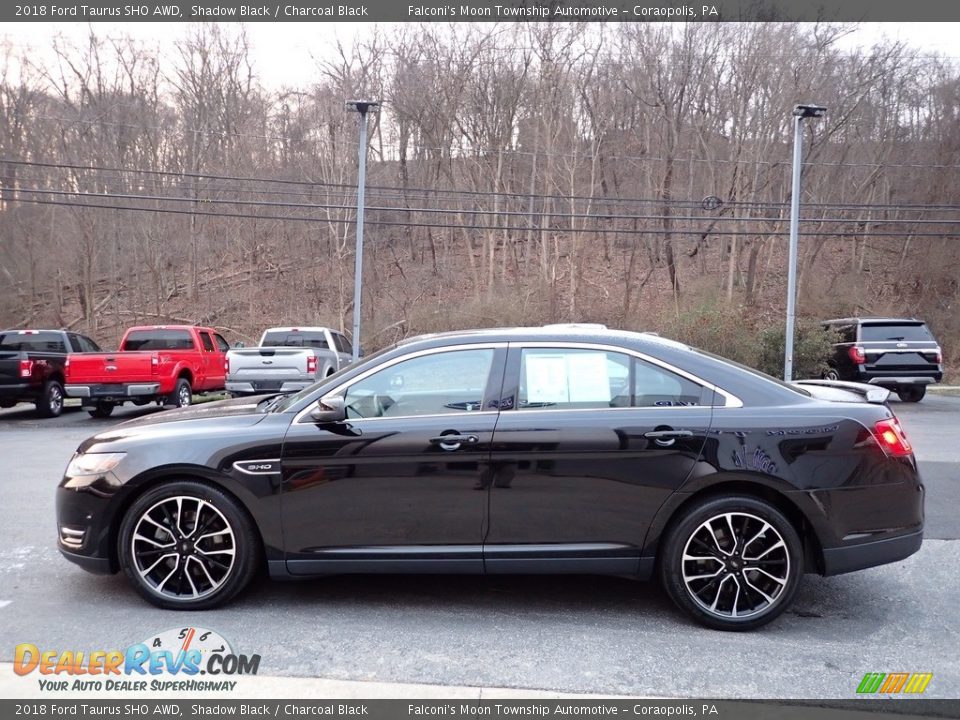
330 409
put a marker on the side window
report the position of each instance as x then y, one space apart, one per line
444 382
573 378
848 333
654 386
75 344
347 347
337 343
207 342
88 345
222 345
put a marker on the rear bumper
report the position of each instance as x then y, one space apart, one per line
870 554
112 391
906 380
15 391
258 387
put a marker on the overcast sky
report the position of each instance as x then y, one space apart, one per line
283 51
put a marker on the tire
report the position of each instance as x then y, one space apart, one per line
751 599
831 374
182 394
140 402
912 394
50 402
190 577
102 410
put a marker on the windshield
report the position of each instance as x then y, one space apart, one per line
287 401
755 372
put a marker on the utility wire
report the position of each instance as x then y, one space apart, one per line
486 227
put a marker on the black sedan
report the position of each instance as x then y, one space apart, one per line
564 449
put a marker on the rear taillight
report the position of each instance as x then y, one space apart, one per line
312 365
857 354
154 364
26 368
891 438
226 365
937 357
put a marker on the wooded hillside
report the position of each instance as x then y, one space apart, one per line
633 174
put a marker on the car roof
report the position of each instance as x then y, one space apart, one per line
872 320
298 328
572 332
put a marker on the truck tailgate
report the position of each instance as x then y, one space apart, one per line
9 367
269 363
108 368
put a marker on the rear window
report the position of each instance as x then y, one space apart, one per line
295 339
32 342
159 340
901 332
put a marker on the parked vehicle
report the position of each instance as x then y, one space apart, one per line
529 450
288 359
900 354
32 367
165 364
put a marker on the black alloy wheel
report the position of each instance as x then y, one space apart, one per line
187 545
732 562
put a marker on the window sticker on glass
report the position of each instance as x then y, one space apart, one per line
547 378
588 377
566 377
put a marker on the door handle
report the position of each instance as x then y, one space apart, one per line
668 434
453 442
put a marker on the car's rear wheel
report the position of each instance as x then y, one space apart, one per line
732 562
50 402
831 374
912 394
102 409
187 546
182 394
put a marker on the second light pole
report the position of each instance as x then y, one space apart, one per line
799 113
364 107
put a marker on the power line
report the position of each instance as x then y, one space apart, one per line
453 193
486 227
467 211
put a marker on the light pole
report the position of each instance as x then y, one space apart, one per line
364 107
799 113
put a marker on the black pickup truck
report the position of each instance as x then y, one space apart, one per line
33 367
900 354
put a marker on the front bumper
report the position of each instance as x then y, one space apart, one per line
118 391
870 554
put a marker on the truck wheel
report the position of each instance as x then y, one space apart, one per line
912 394
102 409
182 394
50 402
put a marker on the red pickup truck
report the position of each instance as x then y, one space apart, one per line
162 363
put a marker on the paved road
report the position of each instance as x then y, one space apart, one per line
606 635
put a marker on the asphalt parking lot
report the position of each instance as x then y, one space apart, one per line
572 634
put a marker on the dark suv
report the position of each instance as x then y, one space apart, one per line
896 353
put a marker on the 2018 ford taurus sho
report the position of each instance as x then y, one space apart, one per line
563 449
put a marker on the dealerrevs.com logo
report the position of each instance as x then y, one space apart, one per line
169 661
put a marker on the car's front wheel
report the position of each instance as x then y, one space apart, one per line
732 562
186 545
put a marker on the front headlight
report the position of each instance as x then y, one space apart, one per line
93 464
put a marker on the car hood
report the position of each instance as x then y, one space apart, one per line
213 418
238 407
